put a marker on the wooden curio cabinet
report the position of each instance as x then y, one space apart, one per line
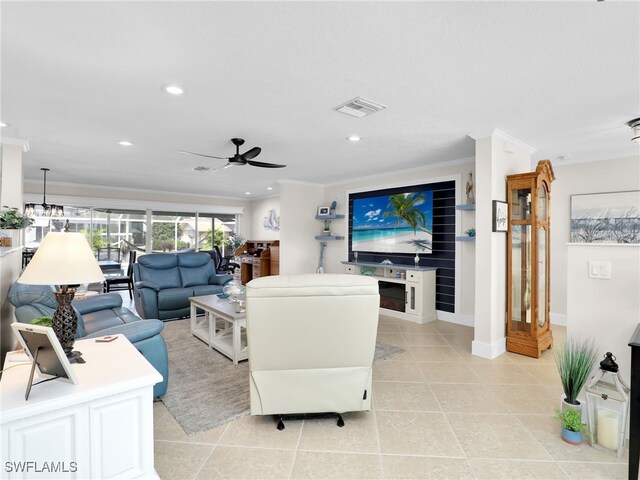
528 196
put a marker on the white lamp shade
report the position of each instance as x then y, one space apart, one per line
63 258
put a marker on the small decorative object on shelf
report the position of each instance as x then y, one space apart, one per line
607 407
324 211
12 219
471 232
333 207
368 271
355 256
416 259
471 199
326 230
386 262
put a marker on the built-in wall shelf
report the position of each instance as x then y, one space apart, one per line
466 206
465 238
326 231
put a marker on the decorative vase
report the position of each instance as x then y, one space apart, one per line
564 405
569 436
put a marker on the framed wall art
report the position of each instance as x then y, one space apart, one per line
500 213
612 217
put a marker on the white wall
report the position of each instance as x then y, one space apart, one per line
595 177
298 249
607 310
496 156
257 212
465 255
10 259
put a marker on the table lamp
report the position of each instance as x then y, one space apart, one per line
63 259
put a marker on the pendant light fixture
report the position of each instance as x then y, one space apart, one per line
48 210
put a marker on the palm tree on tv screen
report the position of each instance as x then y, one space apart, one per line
403 208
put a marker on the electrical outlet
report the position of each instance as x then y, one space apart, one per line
600 270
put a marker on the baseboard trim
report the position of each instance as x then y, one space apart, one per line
489 350
558 319
458 318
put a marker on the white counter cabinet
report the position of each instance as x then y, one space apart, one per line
100 428
406 292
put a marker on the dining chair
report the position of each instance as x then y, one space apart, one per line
126 280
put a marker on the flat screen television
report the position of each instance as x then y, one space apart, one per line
396 223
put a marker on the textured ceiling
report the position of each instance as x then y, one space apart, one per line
77 77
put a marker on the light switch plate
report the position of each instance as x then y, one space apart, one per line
600 270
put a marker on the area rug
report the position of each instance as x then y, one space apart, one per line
205 389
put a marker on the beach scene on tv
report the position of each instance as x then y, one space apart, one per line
398 223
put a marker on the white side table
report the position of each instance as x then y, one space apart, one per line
100 428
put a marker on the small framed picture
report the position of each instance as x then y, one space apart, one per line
500 216
323 211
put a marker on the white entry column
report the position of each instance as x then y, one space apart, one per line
497 155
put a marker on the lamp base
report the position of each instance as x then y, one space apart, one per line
64 320
75 357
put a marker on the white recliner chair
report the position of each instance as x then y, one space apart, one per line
311 343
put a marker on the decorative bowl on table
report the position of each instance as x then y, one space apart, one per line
235 290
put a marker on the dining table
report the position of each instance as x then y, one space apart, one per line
109 266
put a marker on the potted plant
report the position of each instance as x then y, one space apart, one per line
572 426
43 321
12 219
575 360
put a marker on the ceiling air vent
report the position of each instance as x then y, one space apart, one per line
201 169
360 107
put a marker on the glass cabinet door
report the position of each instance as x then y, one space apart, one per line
521 204
542 277
521 277
542 203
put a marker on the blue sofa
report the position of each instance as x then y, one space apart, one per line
163 283
98 316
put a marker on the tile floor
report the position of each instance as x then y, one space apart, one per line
439 413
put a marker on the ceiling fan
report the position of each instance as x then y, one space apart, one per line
240 159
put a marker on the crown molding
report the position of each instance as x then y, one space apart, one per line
505 137
24 144
299 182
432 166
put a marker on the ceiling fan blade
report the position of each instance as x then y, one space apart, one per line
223 167
264 164
203 155
251 153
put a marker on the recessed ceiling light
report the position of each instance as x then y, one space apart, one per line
3 124
269 188
173 89
353 138
247 193
125 143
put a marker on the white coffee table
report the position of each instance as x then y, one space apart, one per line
220 327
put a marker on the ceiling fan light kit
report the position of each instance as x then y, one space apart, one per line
239 159
635 128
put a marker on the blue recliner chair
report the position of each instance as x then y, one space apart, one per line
163 283
99 316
